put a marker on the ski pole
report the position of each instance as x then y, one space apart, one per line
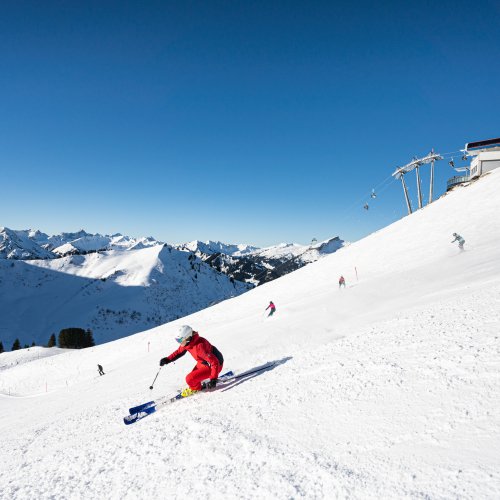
151 386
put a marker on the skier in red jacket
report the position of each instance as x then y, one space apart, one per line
208 358
271 307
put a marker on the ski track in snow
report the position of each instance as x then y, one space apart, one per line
389 389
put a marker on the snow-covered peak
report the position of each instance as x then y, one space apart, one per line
37 235
308 253
19 245
34 244
211 247
84 244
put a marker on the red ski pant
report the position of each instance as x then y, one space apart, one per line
199 373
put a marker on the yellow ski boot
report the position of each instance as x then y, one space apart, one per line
188 392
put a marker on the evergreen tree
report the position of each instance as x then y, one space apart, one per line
89 339
16 345
1 348
33 344
52 341
75 338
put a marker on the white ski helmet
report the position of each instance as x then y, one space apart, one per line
185 333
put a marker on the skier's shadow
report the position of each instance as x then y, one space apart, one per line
255 372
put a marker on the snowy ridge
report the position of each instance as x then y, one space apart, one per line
33 244
387 389
211 247
280 251
21 245
113 293
261 265
307 253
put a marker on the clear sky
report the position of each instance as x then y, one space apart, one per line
246 122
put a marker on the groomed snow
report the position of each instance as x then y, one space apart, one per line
387 389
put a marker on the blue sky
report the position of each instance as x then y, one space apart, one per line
246 122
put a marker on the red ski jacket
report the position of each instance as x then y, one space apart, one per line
203 352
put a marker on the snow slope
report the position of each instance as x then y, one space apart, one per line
15 358
387 389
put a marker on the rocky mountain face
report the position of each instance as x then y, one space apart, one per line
260 265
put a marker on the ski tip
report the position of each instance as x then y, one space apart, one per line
138 408
130 419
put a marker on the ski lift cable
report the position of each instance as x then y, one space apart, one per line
346 215
457 154
380 187
377 188
383 185
352 212
349 212
460 151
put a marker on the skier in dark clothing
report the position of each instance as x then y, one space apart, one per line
460 240
208 358
101 371
272 308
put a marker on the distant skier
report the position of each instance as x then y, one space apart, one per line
341 282
208 358
460 240
101 371
272 309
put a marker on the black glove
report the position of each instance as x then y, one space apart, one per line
212 383
164 361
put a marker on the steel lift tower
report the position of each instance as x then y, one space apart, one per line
415 164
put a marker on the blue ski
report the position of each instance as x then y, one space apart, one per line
130 419
142 411
137 409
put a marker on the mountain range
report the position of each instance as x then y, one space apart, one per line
33 244
260 265
118 285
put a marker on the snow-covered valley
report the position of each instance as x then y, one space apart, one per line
389 388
